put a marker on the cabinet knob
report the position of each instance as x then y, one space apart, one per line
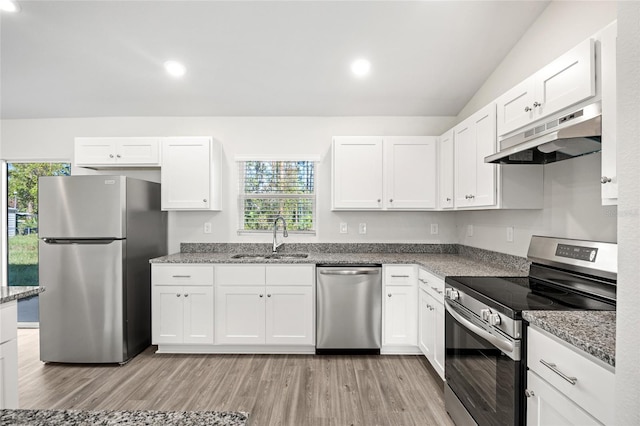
268 295
605 179
529 393
389 294
204 200
448 199
537 104
527 108
262 295
118 155
178 295
379 200
186 295
110 155
391 200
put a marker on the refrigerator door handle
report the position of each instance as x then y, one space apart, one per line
80 241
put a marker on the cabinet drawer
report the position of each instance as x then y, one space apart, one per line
240 275
8 321
182 274
594 384
290 275
400 275
433 284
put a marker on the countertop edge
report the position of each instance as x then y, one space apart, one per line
10 293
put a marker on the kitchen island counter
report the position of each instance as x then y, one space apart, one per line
9 293
593 332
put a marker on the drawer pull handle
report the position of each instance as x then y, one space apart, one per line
399 276
182 276
551 366
529 394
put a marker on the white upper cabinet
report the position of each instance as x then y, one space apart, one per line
566 81
384 173
445 170
475 180
357 172
117 152
190 173
609 180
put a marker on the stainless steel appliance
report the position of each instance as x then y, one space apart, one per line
485 342
568 136
349 309
97 234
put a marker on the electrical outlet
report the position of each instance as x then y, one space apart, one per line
434 228
343 228
362 228
509 234
469 230
207 227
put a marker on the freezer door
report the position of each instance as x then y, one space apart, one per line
81 310
82 206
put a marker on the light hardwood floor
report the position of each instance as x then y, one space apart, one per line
274 389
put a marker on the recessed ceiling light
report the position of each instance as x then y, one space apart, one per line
9 6
360 67
175 68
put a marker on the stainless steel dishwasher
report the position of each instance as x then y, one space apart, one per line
349 309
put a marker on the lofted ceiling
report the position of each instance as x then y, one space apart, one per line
252 58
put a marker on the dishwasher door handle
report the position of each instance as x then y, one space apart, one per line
348 272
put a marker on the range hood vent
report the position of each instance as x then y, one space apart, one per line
569 136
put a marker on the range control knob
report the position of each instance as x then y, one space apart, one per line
454 295
484 314
494 319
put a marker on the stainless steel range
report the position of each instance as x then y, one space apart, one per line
484 338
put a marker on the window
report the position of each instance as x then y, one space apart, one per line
272 188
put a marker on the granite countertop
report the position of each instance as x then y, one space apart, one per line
113 418
591 331
9 293
440 264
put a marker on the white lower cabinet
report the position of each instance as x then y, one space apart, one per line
9 355
182 304
566 386
431 320
258 304
400 309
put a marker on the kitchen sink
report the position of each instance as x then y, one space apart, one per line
270 256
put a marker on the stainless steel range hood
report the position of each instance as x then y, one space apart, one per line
568 136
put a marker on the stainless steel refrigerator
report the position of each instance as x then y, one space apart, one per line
97 234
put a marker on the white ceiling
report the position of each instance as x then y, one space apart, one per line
263 58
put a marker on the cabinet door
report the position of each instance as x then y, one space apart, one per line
357 173
515 107
240 315
445 170
400 315
198 314
546 406
609 179
95 151
185 173
484 123
289 315
438 344
465 163
566 81
410 172
167 315
9 374
143 151
426 329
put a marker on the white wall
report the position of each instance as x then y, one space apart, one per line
265 136
572 206
628 315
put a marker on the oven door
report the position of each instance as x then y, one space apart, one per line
480 371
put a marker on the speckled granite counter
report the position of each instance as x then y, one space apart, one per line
131 418
439 264
591 331
7 294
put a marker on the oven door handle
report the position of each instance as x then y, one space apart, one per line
504 345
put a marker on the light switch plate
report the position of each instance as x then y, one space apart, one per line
469 230
362 228
207 227
509 234
434 228
343 228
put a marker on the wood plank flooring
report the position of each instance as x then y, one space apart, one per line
274 389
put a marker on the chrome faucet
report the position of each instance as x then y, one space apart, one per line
276 246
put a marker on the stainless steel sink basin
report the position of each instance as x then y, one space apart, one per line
270 256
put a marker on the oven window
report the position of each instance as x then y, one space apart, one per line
485 380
